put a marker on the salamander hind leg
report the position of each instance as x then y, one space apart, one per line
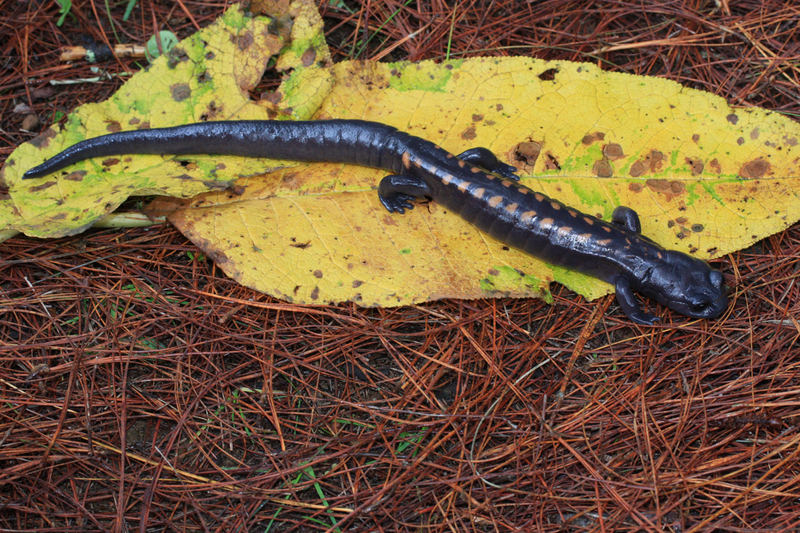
485 158
397 193
626 217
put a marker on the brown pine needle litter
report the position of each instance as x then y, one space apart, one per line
143 390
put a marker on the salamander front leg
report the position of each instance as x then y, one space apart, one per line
627 301
485 158
626 217
398 192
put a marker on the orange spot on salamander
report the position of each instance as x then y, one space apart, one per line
527 216
573 213
494 201
606 229
523 190
406 160
604 242
478 193
475 170
555 205
588 220
564 230
463 186
511 208
447 178
461 163
539 197
506 183
547 222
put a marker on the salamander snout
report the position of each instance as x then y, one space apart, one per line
688 286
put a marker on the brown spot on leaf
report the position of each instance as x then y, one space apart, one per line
525 154
77 175
211 112
754 134
42 187
637 169
613 151
695 165
292 180
756 168
43 140
593 137
668 188
550 162
655 160
110 161
175 56
740 141
715 166
695 138
602 169
315 293
477 118
357 283
697 228
499 107
318 274
309 57
791 141
469 134
732 118
635 187
549 74
180 91
244 40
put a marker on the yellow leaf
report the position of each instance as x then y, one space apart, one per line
704 178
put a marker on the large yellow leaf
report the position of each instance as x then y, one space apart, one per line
704 178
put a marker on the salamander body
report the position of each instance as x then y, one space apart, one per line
475 184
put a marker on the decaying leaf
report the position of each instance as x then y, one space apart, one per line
705 178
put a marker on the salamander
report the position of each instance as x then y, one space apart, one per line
476 185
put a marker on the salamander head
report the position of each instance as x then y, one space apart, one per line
686 285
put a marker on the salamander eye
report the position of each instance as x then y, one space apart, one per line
716 278
699 308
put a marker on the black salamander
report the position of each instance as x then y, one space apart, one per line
474 184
